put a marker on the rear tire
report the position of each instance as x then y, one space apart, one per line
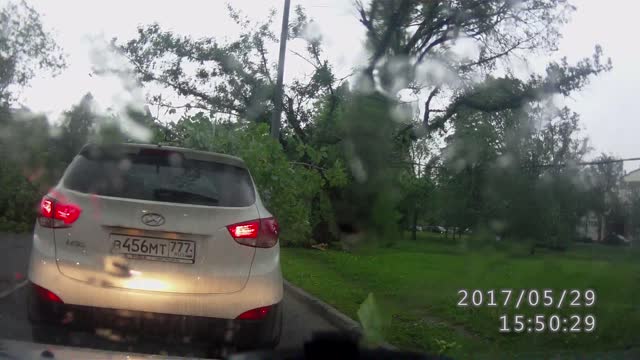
270 340
36 310
266 337
277 332
50 334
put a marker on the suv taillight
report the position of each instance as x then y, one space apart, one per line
46 294
57 214
262 233
255 314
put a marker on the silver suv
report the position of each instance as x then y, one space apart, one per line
138 234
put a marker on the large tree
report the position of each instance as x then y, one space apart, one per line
76 128
458 60
25 47
413 46
514 173
232 80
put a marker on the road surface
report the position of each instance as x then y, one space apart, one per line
299 322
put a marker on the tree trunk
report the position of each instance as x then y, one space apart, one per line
600 227
414 222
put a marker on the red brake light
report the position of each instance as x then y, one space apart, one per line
247 230
68 213
55 213
255 314
46 295
262 233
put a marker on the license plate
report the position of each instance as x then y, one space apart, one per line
155 249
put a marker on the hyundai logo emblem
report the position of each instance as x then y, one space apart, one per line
152 219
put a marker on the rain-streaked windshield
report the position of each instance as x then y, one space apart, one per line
457 178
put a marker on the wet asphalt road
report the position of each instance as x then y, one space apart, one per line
298 326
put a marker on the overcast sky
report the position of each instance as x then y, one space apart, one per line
609 108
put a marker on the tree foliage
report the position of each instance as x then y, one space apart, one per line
287 187
515 174
354 156
25 168
225 88
367 132
231 78
24 47
412 45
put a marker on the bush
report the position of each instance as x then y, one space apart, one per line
286 189
17 207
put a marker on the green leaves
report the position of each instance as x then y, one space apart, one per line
411 45
287 188
496 174
294 191
370 201
225 78
27 168
24 47
337 174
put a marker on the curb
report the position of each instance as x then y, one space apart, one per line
329 313
326 311
10 289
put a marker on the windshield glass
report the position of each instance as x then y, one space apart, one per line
458 178
153 177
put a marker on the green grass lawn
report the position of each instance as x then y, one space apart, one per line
417 283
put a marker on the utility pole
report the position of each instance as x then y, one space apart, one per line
277 98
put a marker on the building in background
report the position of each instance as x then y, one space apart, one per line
630 195
623 227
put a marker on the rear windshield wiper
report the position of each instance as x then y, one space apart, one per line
172 195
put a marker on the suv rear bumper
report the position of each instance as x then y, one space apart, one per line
263 288
248 334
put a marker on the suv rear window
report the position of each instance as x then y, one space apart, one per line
161 176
